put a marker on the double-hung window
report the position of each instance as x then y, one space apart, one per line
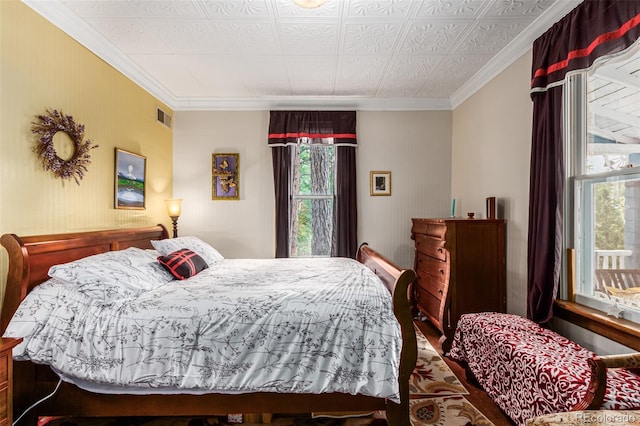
314 171
603 184
312 198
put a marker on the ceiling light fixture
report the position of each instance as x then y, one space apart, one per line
309 4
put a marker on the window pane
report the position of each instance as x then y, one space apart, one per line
315 170
312 203
610 240
312 228
613 114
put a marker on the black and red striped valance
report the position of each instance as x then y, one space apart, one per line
593 29
286 127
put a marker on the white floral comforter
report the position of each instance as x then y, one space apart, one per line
266 325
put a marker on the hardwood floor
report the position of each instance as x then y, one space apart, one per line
476 396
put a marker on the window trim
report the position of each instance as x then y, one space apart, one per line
327 143
619 330
565 307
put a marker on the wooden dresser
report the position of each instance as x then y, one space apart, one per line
461 267
6 380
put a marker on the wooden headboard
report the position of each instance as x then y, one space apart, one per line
31 257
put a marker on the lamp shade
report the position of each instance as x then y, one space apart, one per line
174 206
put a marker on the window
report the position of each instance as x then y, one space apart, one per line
603 189
313 185
315 188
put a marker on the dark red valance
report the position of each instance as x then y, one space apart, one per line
285 127
593 29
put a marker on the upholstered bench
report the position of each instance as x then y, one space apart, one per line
530 371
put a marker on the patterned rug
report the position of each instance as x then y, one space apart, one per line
435 391
432 375
452 410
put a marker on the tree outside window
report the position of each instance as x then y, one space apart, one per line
313 199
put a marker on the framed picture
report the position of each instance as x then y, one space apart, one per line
131 171
225 176
380 183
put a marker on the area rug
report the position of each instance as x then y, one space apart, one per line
446 411
432 375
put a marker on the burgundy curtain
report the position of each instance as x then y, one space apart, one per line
345 224
593 29
281 172
285 129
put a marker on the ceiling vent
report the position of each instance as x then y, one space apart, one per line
163 117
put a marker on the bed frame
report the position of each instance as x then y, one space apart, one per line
29 260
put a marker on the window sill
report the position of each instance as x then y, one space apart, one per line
619 330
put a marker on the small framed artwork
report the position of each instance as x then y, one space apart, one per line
380 183
131 171
225 176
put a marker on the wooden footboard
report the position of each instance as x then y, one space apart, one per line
398 281
31 257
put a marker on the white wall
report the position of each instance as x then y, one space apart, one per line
238 229
414 145
491 140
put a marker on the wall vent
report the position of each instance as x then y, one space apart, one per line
163 117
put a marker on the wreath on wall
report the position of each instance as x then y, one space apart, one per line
52 123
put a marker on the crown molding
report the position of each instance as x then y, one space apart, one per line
76 28
328 103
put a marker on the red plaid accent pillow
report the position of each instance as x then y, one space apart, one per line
183 263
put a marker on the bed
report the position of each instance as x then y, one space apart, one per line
30 261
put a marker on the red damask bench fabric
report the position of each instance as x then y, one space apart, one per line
530 371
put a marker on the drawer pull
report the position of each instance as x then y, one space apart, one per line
440 251
441 271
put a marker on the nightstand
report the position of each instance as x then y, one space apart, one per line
6 380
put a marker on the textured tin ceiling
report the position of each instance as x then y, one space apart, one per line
254 54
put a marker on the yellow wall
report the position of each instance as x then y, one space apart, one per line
43 68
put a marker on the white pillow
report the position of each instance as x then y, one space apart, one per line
168 246
114 274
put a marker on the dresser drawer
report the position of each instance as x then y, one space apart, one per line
434 268
4 367
431 247
4 400
428 303
431 284
430 228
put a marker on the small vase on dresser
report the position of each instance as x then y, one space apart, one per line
461 267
